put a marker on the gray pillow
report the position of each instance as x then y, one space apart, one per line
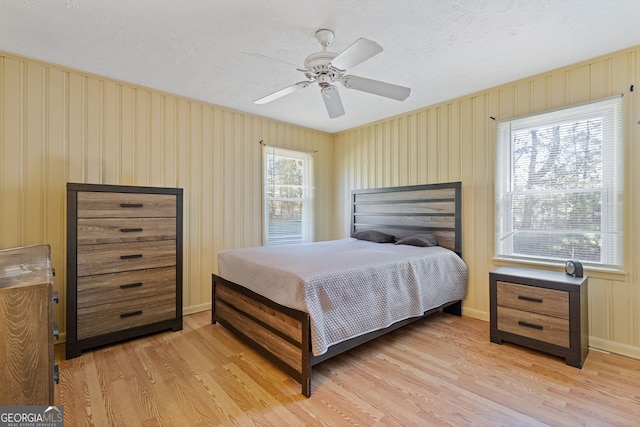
424 240
374 236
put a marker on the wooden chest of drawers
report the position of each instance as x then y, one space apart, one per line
543 310
27 329
124 263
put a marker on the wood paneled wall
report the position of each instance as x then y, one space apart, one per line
455 141
59 125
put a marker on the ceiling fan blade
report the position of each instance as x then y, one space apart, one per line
357 53
282 92
376 87
332 101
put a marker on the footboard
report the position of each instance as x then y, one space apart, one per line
279 333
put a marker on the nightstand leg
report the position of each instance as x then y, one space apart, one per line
495 339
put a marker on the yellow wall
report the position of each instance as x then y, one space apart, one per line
59 125
454 141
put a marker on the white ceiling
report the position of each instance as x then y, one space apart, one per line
231 52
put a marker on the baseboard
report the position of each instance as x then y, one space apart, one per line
475 314
196 308
614 347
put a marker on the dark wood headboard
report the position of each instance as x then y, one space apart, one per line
405 211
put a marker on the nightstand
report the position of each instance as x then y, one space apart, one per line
542 310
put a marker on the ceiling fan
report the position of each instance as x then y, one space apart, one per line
327 68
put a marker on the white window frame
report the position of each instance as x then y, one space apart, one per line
307 231
611 191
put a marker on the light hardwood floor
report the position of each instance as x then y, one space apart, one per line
441 370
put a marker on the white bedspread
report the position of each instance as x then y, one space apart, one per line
349 287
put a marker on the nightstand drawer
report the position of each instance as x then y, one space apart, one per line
549 302
536 326
114 257
102 319
125 205
119 230
128 285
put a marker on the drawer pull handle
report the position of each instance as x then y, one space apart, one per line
530 325
131 205
131 285
531 299
131 230
130 256
131 314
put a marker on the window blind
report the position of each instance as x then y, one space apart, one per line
559 185
288 196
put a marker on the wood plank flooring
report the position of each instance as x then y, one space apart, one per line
441 370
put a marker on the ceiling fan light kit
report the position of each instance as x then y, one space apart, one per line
326 68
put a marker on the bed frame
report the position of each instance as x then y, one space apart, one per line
282 334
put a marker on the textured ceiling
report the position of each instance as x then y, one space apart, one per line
231 52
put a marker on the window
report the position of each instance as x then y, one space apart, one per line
287 196
559 186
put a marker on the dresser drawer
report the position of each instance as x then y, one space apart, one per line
534 299
114 257
122 205
539 327
128 285
102 319
115 230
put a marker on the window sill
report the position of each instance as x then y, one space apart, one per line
597 273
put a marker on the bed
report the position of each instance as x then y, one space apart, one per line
324 298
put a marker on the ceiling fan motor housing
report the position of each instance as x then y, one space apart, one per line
319 58
319 64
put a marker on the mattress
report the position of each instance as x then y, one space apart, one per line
349 287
